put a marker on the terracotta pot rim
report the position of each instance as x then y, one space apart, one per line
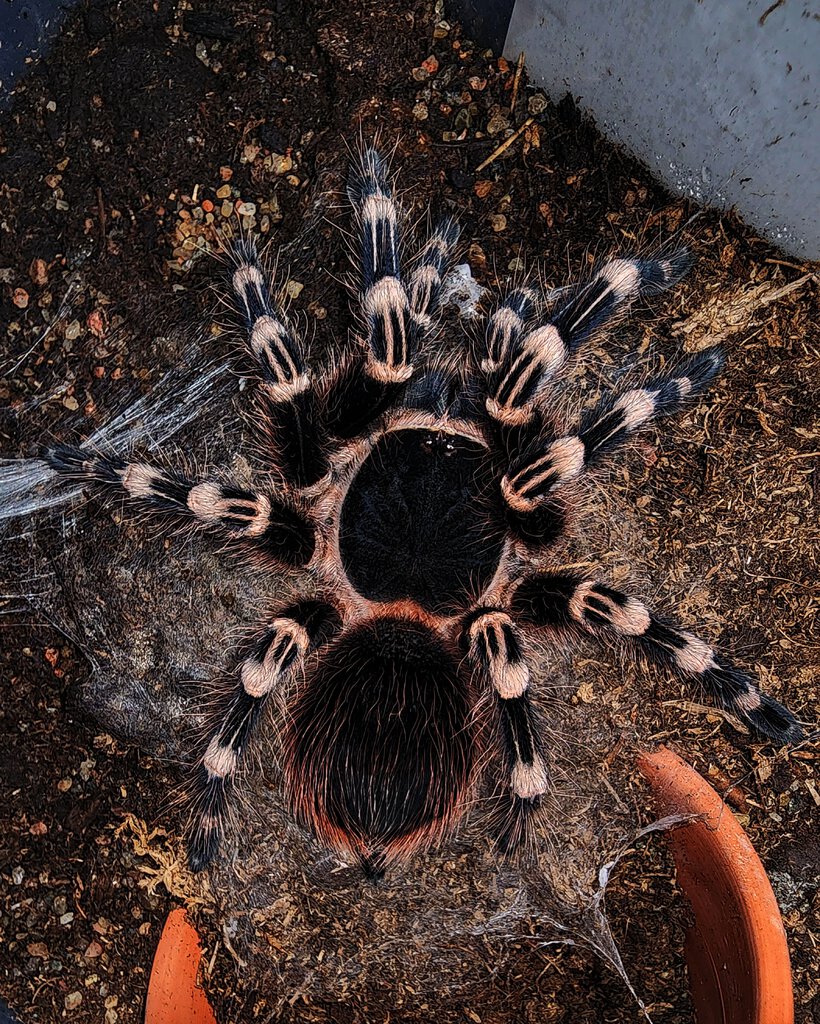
737 953
174 995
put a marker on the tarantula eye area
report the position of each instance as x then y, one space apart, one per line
380 742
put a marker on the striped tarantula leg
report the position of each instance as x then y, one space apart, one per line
267 527
431 264
495 648
506 327
288 424
275 655
548 463
534 358
566 600
391 328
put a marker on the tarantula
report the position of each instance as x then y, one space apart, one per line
422 498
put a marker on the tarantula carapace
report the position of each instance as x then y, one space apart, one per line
422 496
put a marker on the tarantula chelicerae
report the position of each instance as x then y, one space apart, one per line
423 500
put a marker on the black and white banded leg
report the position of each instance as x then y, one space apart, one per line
289 424
263 527
547 463
431 264
496 650
506 327
274 657
397 315
566 600
521 358
390 326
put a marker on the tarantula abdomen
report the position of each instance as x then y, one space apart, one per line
380 742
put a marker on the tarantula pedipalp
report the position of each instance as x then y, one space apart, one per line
407 488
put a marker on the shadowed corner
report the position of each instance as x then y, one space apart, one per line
486 21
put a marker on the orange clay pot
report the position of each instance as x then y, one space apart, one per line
738 960
737 955
174 997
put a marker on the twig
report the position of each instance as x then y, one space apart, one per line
505 145
517 80
785 263
762 19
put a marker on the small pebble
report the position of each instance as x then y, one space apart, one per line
73 1000
497 123
441 30
66 919
227 208
64 785
225 173
73 330
38 271
498 222
463 119
20 297
223 191
516 264
293 289
71 403
430 65
278 163
420 74
420 112
17 875
96 323
537 103
246 209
